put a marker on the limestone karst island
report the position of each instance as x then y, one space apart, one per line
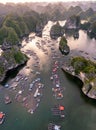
47 65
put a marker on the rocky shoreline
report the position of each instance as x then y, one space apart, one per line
12 68
88 88
11 59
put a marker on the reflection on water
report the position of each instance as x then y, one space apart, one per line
80 111
84 43
62 23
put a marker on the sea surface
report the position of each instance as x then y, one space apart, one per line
80 111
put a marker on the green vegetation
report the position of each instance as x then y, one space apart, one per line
81 64
12 37
8 34
64 48
3 34
31 19
14 56
17 23
63 42
19 57
57 28
56 31
15 26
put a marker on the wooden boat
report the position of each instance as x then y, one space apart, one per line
7 99
58 110
2 117
52 126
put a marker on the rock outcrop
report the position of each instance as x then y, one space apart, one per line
72 23
56 31
92 31
63 47
88 79
11 58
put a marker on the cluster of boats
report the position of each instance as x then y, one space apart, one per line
57 89
58 110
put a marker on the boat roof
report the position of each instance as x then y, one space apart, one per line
1 115
61 108
56 127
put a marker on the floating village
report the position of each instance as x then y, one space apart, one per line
28 87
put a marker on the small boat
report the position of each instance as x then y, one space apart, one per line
7 99
52 126
6 85
2 117
58 110
31 111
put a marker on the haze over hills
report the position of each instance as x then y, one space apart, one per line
43 7
35 15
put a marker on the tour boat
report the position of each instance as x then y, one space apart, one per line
7 100
2 117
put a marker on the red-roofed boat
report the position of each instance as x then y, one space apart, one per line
2 117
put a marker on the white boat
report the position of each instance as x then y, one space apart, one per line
36 93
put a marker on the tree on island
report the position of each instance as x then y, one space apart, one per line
56 31
64 48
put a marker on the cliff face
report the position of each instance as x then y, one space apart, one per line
73 23
13 28
63 47
10 59
56 31
92 31
87 74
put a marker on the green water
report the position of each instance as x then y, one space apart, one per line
80 111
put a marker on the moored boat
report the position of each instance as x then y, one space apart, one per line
2 117
52 126
7 99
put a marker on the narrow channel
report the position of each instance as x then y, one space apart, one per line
43 53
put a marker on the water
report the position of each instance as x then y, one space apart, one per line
80 111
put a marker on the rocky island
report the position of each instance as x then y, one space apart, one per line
73 22
63 47
85 70
56 31
10 59
13 29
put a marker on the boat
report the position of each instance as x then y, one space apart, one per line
6 85
76 35
31 111
2 117
36 93
7 99
52 126
59 95
58 110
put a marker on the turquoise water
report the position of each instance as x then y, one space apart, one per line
80 111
